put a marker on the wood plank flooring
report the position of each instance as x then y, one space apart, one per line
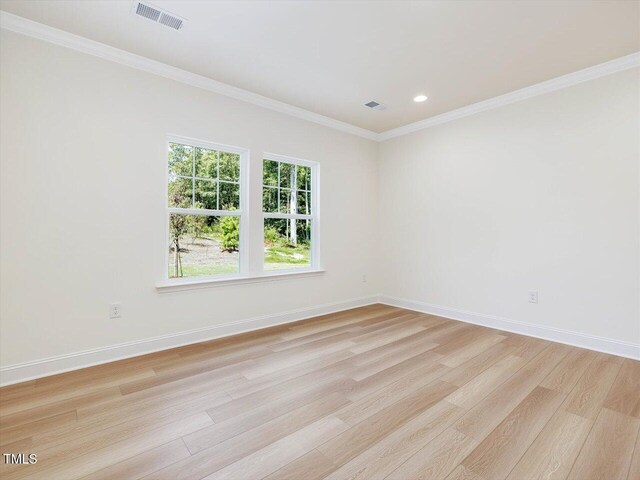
371 393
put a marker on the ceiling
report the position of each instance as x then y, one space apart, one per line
332 57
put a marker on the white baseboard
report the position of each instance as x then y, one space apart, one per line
590 342
73 361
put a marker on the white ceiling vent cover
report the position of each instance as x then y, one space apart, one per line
157 15
376 105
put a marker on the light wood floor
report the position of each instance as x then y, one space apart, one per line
371 393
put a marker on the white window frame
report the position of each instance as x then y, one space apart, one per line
242 213
245 275
314 216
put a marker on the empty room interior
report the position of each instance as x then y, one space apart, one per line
303 240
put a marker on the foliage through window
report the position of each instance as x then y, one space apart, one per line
204 191
289 214
208 213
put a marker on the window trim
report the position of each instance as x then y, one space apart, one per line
315 210
244 275
193 283
242 213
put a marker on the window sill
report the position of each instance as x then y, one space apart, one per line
189 284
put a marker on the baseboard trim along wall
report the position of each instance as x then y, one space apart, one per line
73 361
64 363
590 342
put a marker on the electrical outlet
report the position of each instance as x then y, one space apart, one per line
115 310
364 279
533 296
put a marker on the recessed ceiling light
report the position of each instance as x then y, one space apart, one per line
420 98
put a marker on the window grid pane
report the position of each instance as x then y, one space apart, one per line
228 166
270 173
303 178
287 244
292 175
286 190
287 175
205 163
285 203
180 192
206 194
270 199
229 196
203 245
197 172
180 159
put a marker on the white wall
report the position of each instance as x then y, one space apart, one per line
83 203
538 195
470 215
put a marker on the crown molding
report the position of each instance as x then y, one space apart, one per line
46 33
17 24
558 83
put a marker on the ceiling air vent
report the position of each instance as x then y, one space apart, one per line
170 21
375 105
157 15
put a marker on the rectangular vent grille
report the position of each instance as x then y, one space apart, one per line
375 105
171 21
147 12
158 15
